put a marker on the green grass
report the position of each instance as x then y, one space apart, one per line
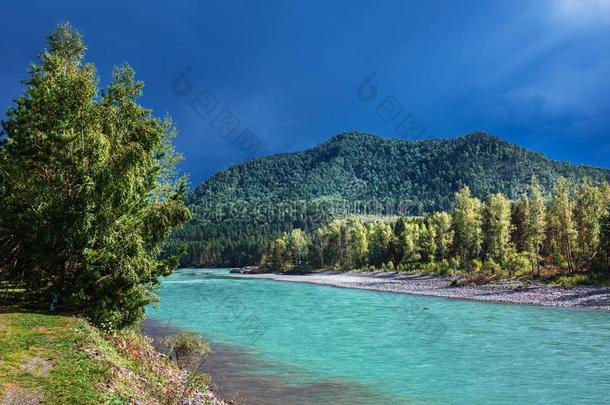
62 359
59 359
42 357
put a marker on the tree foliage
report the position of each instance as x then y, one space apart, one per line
535 222
87 188
475 237
497 228
239 209
467 225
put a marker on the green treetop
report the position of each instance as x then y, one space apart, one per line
87 189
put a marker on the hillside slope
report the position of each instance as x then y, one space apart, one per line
358 165
235 210
54 359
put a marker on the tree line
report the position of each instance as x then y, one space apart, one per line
566 231
240 208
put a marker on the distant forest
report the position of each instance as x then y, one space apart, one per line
240 211
569 234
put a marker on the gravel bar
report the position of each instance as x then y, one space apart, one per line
597 298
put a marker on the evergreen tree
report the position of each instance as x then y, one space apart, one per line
88 190
605 238
605 227
396 245
318 247
518 214
336 246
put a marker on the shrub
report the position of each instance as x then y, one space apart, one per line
185 347
445 267
573 280
518 264
476 265
492 267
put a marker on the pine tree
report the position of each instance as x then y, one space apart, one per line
605 226
336 246
605 237
396 246
518 214
318 247
88 188
427 242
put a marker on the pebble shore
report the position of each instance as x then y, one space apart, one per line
597 298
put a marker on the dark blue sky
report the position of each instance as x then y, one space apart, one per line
536 73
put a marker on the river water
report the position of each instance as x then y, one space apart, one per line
292 343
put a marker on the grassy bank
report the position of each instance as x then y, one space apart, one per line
57 359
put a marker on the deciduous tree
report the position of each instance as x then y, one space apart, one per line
298 247
441 221
380 238
467 226
88 188
562 215
535 223
497 228
590 209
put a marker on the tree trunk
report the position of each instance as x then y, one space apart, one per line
570 259
538 260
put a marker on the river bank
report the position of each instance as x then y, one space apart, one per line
596 298
61 359
235 377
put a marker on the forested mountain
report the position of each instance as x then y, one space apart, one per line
239 209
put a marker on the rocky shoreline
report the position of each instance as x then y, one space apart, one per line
596 298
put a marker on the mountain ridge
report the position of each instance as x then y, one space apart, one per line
341 145
238 210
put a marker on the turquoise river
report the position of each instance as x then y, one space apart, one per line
294 343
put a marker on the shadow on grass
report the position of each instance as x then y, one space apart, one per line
14 299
